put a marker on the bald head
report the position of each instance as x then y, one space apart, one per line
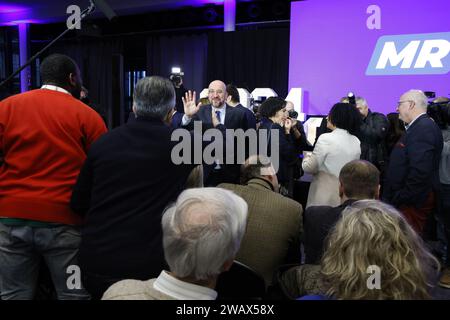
289 105
217 93
412 104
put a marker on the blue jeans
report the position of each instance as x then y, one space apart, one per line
21 250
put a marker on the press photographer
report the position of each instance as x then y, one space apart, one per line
177 79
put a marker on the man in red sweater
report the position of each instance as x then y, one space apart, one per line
44 138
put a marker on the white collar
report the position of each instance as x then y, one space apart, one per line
182 290
409 124
55 88
222 110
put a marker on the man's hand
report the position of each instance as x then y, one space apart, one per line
288 125
190 109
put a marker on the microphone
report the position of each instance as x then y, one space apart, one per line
105 8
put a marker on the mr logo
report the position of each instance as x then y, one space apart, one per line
426 53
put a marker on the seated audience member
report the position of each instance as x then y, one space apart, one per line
372 253
274 223
275 117
358 180
201 235
126 182
412 177
331 152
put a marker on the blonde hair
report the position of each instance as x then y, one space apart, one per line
373 233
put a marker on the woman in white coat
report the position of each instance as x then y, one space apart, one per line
331 152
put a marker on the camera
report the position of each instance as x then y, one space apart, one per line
439 111
176 76
430 94
351 98
293 114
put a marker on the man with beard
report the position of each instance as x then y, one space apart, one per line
231 118
45 135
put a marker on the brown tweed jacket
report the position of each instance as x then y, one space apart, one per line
274 228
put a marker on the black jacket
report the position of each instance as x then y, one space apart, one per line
235 118
317 223
413 170
127 181
372 134
288 150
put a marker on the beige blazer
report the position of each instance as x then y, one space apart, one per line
332 151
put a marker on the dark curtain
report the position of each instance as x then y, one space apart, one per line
250 59
95 59
185 51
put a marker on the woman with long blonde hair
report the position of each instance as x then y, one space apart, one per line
371 253
371 233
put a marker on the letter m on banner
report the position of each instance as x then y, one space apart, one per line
427 53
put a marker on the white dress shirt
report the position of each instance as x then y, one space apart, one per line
55 88
181 290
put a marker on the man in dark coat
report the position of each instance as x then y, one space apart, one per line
127 181
412 178
229 117
359 180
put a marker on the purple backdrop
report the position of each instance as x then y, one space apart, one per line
331 47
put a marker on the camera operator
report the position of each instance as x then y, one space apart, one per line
297 128
373 131
180 91
439 111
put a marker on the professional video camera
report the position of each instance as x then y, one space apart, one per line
176 76
439 109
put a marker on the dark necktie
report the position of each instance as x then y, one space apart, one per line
218 116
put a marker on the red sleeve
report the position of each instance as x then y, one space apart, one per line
93 127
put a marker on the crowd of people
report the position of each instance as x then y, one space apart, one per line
112 216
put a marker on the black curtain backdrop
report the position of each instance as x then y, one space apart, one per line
250 59
95 58
185 51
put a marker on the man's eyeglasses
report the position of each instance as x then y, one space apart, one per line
400 102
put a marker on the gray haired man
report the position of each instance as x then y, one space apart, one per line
202 232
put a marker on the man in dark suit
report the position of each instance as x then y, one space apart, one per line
412 178
234 101
231 118
359 180
127 181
